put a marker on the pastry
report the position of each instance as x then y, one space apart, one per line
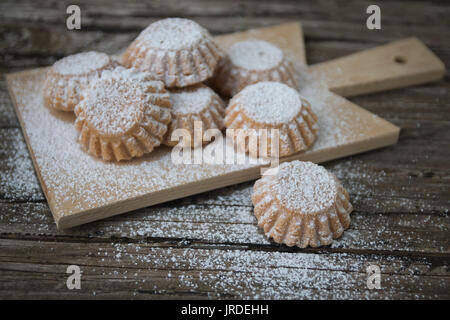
302 205
68 76
271 105
195 103
177 51
251 61
122 115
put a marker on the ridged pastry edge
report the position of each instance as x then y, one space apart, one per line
297 135
211 117
230 79
141 138
175 68
63 93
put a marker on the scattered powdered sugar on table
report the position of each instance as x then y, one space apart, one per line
338 122
305 187
255 55
270 102
81 63
172 34
191 100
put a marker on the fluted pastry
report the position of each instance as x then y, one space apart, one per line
301 205
272 105
251 61
177 51
122 115
68 76
196 103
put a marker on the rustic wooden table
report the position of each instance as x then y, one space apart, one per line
208 246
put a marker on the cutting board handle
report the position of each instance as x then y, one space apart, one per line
395 65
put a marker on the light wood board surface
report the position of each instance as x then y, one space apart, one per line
398 64
80 189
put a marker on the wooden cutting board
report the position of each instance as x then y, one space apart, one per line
80 188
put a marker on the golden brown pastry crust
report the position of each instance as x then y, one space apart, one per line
177 51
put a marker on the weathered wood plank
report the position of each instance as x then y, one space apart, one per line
36 269
50 35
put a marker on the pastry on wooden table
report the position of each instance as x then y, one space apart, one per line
68 76
271 105
302 205
251 61
122 115
196 103
177 51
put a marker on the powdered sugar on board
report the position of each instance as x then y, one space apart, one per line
340 121
76 182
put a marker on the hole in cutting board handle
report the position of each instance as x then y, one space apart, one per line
400 60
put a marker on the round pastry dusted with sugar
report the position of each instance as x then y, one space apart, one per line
277 108
196 108
177 51
251 61
68 76
122 115
301 204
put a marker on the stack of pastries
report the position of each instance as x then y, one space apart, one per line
167 80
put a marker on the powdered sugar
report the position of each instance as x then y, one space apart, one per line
191 99
172 34
255 55
115 102
342 125
305 187
270 102
82 63
113 107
